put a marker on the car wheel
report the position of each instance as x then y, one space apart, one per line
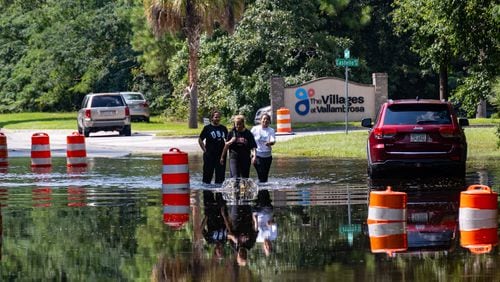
86 132
79 129
374 172
460 171
127 130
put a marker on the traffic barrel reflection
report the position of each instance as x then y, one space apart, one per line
478 222
175 188
388 237
76 153
387 221
42 197
77 196
3 151
40 150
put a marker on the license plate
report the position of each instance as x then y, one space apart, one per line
418 137
107 113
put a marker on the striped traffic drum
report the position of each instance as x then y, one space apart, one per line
387 221
3 150
283 121
387 206
478 219
76 153
40 150
175 188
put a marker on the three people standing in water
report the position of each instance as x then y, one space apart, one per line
245 148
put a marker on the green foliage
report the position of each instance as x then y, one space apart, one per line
65 49
495 100
285 38
471 90
460 34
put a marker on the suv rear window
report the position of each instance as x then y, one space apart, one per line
402 114
133 96
107 101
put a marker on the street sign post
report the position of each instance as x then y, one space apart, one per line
347 62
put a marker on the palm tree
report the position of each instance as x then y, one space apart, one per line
191 18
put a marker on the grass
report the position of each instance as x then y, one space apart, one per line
481 136
338 145
68 121
481 145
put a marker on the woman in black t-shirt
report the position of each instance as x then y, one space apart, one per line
214 135
241 145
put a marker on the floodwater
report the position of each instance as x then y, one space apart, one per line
107 223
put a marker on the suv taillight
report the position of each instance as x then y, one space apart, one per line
145 104
127 111
88 113
384 133
448 132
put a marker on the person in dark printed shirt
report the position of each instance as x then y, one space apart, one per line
212 140
241 145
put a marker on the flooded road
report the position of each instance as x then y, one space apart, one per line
107 222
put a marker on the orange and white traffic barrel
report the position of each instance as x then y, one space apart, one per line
387 206
478 219
76 153
40 150
175 170
388 237
283 121
3 150
175 188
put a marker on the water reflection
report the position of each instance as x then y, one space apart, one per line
107 223
432 221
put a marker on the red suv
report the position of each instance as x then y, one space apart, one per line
414 134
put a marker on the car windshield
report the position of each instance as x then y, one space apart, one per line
133 97
106 101
408 114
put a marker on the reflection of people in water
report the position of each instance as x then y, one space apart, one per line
213 226
267 227
241 224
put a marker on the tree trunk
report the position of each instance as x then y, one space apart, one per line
443 82
481 109
193 38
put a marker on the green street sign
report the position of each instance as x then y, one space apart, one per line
347 62
350 228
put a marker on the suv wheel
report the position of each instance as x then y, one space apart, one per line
79 129
86 132
127 130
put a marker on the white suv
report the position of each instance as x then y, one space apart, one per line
104 112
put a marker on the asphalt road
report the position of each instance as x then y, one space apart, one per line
110 144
